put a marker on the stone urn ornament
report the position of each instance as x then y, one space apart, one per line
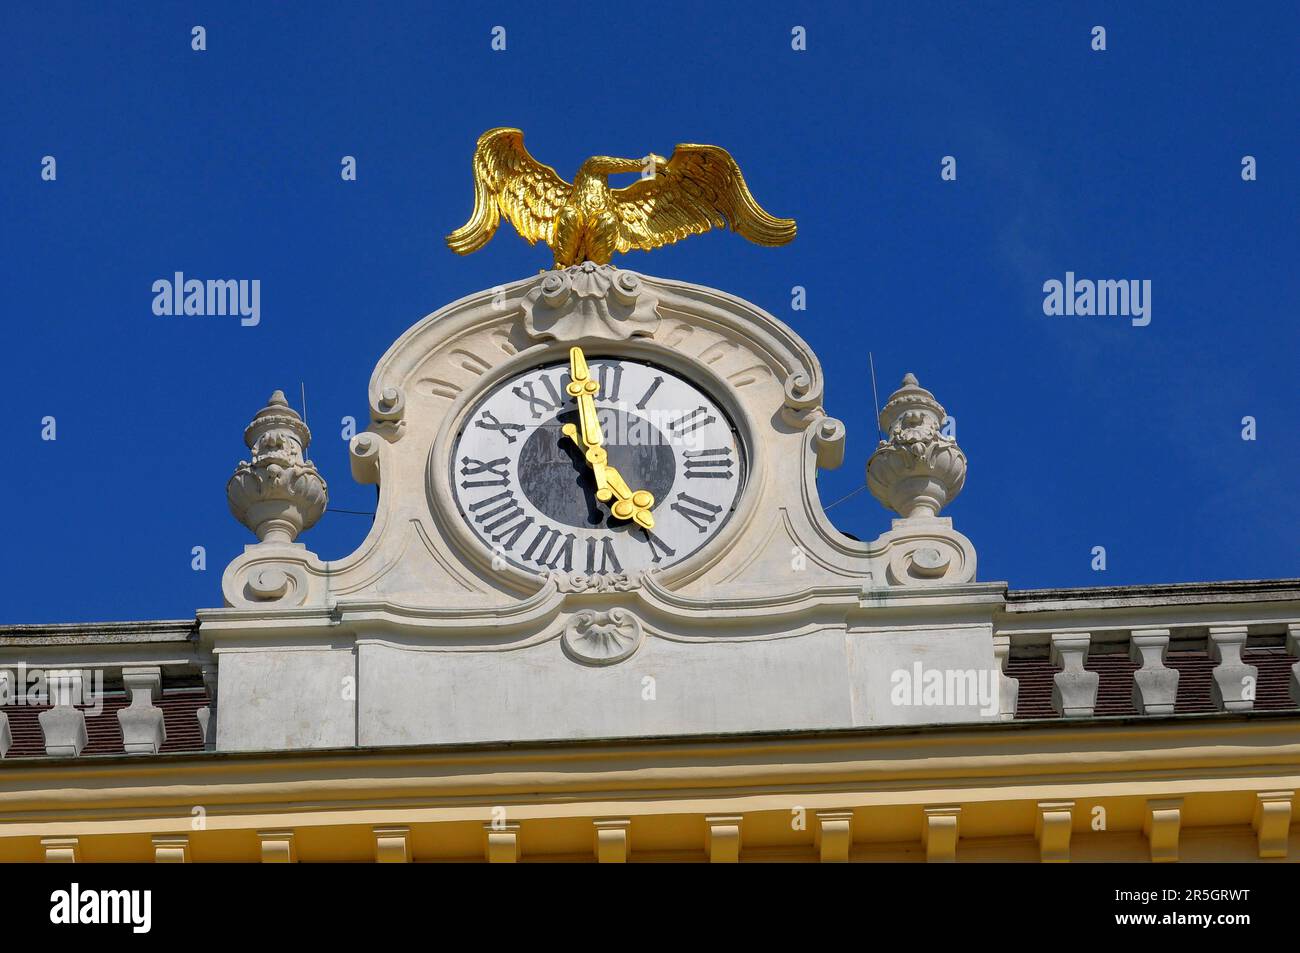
917 470
278 493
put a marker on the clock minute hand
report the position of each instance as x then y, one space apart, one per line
629 504
584 389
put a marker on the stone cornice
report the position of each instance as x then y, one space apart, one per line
1264 606
1171 755
666 613
55 633
1159 594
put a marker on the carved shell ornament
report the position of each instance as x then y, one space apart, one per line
602 638
590 300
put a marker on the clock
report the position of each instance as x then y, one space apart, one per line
600 466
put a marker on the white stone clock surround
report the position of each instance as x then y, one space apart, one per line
442 498
488 473
780 622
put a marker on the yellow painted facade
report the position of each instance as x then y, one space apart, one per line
1198 788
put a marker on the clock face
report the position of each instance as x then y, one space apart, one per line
526 490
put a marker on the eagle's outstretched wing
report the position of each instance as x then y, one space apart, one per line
510 182
700 188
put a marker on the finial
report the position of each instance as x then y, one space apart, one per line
279 493
918 469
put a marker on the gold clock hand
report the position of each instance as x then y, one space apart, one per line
631 504
595 457
610 485
584 389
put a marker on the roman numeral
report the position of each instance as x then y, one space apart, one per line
501 512
547 538
488 421
708 464
548 402
608 560
645 398
657 546
499 468
610 378
700 514
697 418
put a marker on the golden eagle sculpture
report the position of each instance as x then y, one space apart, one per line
699 188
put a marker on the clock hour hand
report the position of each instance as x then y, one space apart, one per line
630 504
595 457
610 485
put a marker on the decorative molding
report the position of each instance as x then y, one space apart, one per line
1161 826
388 412
456 574
392 845
274 576
828 439
1052 829
278 847
364 456
713 616
803 399
1272 822
61 850
590 301
999 771
602 638
925 551
833 836
502 845
722 838
279 493
939 833
612 840
171 849
595 583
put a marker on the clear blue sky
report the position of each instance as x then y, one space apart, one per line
1080 432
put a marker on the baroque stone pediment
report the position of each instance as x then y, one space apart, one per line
778 544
